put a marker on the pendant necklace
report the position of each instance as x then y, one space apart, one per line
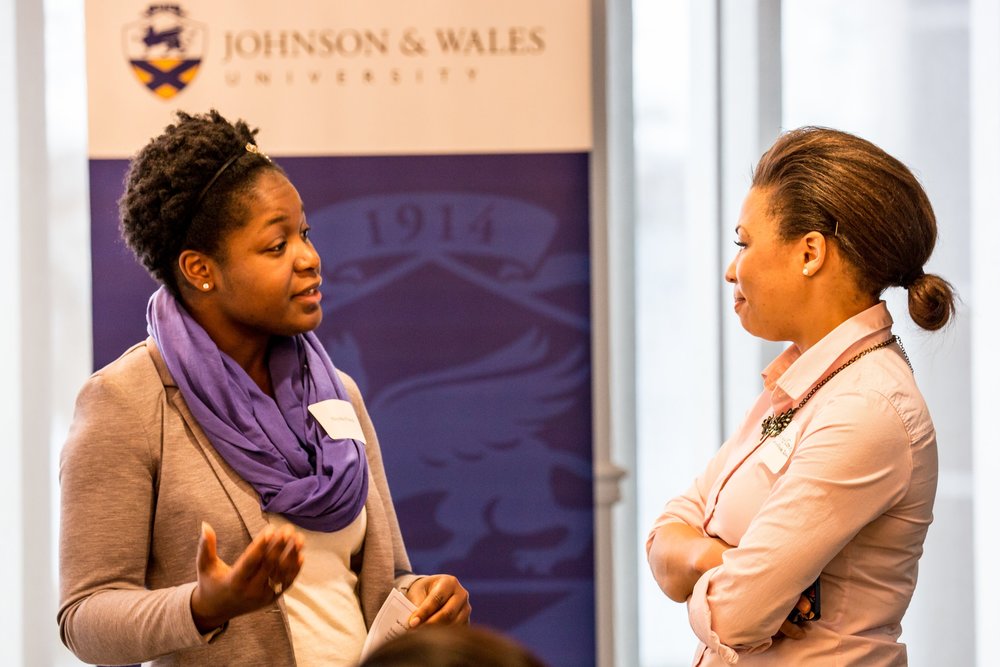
775 424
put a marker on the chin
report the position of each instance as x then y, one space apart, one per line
765 335
747 326
311 325
304 325
755 331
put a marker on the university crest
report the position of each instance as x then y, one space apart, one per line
463 318
164 49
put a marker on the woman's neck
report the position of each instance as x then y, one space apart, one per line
250 351
829 315
258 370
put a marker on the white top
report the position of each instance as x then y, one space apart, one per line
324 612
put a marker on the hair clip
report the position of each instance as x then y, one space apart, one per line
252 148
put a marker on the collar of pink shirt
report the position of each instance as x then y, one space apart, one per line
792 374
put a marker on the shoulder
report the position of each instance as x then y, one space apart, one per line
354 396
869 419
350 385
887 391
118 412
135 364
134 374
123 391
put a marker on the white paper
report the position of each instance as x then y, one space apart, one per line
777 449
338 419
391 621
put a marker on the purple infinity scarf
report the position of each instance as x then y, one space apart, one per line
316 482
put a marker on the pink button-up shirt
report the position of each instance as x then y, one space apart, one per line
845 493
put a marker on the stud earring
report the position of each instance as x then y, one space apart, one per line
805 271
206 286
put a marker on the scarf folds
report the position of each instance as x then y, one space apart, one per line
300 472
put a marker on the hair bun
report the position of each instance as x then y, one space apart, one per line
931 301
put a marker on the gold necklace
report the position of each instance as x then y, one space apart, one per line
775 424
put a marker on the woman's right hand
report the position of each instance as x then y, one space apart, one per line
265 569
679 555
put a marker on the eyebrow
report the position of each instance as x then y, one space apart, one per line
279 219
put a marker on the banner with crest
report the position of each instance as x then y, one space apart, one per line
442 151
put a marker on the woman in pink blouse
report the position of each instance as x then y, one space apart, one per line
798 544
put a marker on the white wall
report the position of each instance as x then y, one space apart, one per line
29 601
69 314
984 28
44 290
10 337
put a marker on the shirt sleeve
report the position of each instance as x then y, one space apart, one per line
851 465
107 478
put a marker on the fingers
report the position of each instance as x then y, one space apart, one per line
282 567
207 599
248 565
272 561
791 630
265 569
444 601
291 560
207 554
262 553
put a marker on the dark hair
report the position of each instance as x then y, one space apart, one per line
186 190
868 203
451 646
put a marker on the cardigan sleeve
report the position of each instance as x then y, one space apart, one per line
108 476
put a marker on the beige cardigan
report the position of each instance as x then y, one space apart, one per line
138 476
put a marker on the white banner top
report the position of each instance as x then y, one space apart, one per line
346 77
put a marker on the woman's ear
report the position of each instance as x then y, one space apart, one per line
195 270
814 253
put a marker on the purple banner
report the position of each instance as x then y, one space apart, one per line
457 294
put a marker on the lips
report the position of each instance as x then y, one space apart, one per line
310 293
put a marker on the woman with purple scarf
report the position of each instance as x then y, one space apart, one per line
223 494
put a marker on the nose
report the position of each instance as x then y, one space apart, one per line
307 259
730 274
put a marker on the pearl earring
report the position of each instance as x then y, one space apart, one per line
805 271
206 286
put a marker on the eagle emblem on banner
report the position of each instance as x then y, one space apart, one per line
164 48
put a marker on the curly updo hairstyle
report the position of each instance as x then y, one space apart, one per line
865 201
188 188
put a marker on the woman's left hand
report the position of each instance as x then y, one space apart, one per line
791 630
439 599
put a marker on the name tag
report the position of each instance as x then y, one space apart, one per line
775 451
338 419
